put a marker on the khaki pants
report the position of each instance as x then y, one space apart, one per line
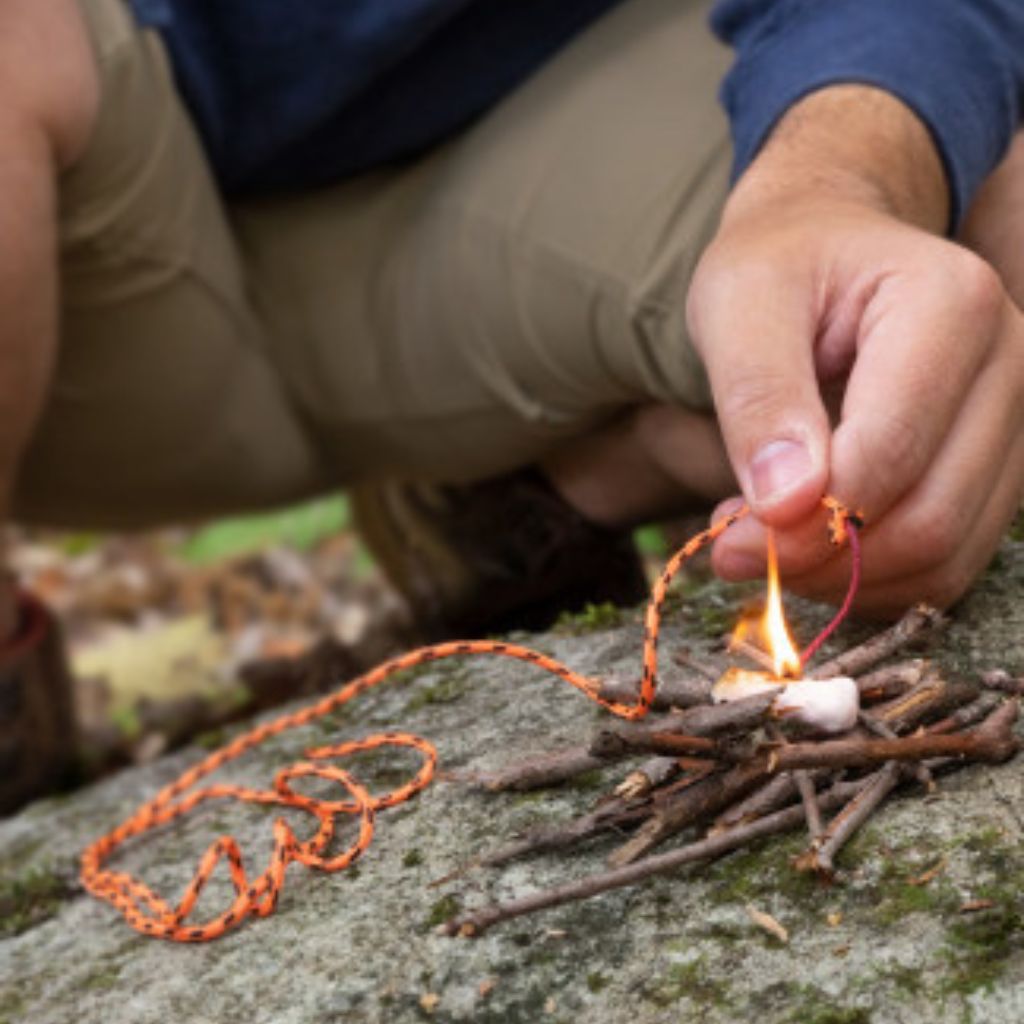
452 318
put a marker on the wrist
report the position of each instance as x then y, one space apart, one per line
850 144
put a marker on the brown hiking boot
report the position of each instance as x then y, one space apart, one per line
37 721
506 553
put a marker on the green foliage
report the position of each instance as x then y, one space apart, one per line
27 899
301 526
592 619
443 910
651 541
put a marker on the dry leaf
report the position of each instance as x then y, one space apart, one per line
429 1001
550 1005
972 906
926 876
486 987
767 923
834 919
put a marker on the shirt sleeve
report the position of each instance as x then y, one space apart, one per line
959 64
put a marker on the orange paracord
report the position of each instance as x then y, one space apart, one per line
150 914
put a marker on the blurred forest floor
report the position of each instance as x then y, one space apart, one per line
176 633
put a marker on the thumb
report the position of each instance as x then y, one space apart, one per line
759 356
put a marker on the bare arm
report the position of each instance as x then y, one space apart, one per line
49 95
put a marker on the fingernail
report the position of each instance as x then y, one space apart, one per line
778 468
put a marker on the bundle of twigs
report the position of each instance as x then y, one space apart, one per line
730 774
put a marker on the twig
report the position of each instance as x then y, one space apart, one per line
614 814
539 771
689 732
674 812
809 799
892 680
672 692
820 856
805 787
932 696
552 768
624 740
993 741
1002 681
858 660
683 657
478 921
770 797
755 654
969 714
648 776
921 771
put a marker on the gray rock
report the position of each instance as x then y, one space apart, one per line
361 946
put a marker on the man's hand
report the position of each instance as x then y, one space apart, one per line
828 288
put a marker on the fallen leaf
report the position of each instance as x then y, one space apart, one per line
926 876
550 1005
486 987
972 906
429 1001
834 919
767 923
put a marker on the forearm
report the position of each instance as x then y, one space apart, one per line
958 63
853 143
28 301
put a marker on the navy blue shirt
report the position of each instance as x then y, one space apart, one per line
296 93
958 63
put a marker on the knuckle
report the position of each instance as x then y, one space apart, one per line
937 536
898 448
978 285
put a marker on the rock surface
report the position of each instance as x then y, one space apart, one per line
361 946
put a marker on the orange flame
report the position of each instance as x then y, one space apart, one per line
772 632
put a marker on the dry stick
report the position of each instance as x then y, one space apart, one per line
805 787
760 658
857 660
549 769
809 799
993 741
997 679
476 922
770 797
921 771
684 658
612 815
690 732
875 789
698 803
672 692
694 691
892 680
933 696
969 714
539 771
651 774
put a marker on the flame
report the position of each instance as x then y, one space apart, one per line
785 658
772 632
